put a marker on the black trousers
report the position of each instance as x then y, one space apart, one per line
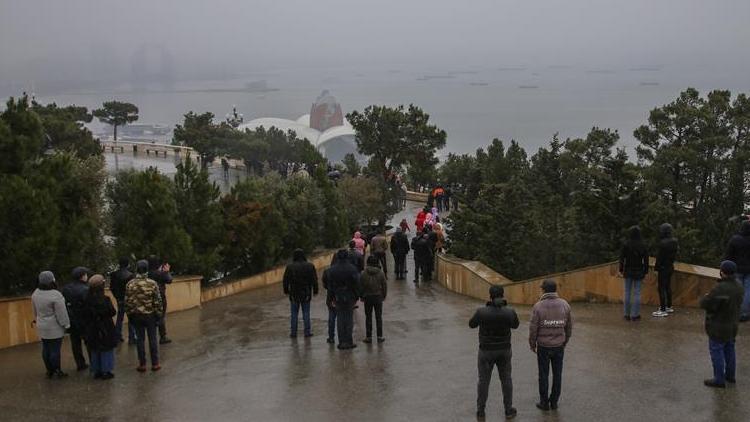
145 327
665 289
345 323
400 261
486 362
163 319
374 303
76 345
381 259
546 356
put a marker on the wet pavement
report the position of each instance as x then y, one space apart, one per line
233 360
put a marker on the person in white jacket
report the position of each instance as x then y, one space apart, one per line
51 319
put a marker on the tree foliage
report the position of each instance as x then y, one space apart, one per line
116 113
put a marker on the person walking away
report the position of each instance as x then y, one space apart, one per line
439 238
404 226
738 251
300 284
159 272
419 222
359 243
117 282
379 249
342 283
664 266
374 291
432 239
75 294
399 249
143 306
101 336
722 307
51 320
495 322
422 251
550 329
633 267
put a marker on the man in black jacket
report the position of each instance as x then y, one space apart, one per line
722 307
399 249
738 251
495 321
158 270
75 294
342 283
117 282
664 266
300 284
422 256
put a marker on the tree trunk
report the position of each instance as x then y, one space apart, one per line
115 126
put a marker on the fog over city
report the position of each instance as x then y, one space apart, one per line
481 68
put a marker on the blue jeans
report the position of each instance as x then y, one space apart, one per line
545 356
51 353
723 360
102 362
633 285
744 279
119 322
305 317
145 326
331 323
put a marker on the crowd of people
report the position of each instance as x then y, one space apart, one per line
83 310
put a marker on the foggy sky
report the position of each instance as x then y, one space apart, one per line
76 40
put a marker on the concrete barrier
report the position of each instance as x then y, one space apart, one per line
417 196
598 283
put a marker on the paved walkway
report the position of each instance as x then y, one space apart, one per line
232 360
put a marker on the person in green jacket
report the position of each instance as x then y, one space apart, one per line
722 307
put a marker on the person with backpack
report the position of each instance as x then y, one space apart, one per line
300 284
633 267
341 281
374 291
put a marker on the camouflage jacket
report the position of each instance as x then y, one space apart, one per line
142 297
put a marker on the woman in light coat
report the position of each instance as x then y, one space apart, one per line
51 319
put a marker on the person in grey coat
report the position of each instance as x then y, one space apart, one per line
51 320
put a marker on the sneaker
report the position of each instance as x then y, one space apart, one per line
711 383
165 340
309 335
511 413
659 314
381 339
60 374
553 406
107 376
542 406
368 340
141 368
330 340
635 318
156 367
669 310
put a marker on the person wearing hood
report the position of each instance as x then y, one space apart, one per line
550 329
404 226
722 307
341 281
664 266
495 322
75 294
300 284
633 267
439 238
420 244
399 249
419 222
738 251
51 320
101 335
379 248
374 291
359 243
117 282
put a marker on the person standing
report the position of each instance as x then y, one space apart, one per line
550 329
101 336
379 248
51 320
664 266
75 294
374 291
634 267
722 307
420 244
117 282
300 284
495 322
419 222
342 283
738 251
439 238
359 243
404 226
158 271
399 249
143 306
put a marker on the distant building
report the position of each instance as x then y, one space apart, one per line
326 113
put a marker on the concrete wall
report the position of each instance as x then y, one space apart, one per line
417 196
599 283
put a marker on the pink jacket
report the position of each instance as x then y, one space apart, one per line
359 243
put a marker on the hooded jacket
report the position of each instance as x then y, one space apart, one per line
100 331
50 313
75 294
359 243
550 324
142 297
722 307
399 244
738 249
341 281
634 256
419 222
373 283
495 320
422 248
117 282
668 247
300 279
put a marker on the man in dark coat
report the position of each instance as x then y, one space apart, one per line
422 256
399 249
664 266
158 271
738 251
633 267
722 307
75 294
342 283
117 282
495 320
300 284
